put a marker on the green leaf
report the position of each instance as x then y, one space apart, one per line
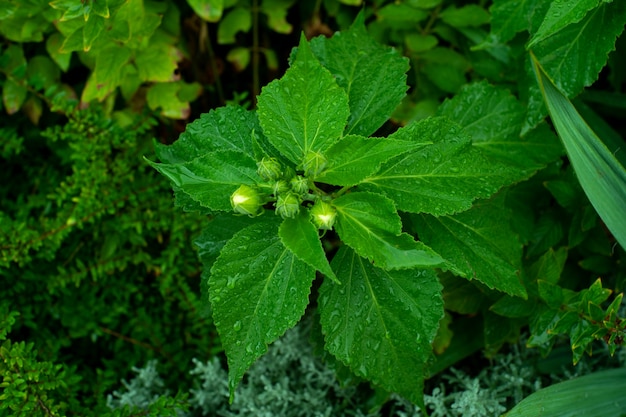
301 237
561 14
212 178
600 173
166 96
305 110
237 20
209 10
159 60
446 68
509 17
276 12
373 75
401 15
470 15
442 178
225 128
258 289
596 395
477 244
381 323
353 158
13 96
574 56
369 223
53 47
217 233
493 119
91 31
108 72
42 72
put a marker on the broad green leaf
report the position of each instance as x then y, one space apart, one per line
159 60
217 233
369 223
212 178
353 158
601 175
446 68
442 178
258 289
509 17
574 56
166 96
13 96
236 20
301 237
305 110
477 244
209 10
401 15
381 323
373 75
53 47
493 119
599 394
91 31
561 14
107 74
470 15
42 72
225 128
71 8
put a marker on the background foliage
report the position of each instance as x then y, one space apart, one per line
99 272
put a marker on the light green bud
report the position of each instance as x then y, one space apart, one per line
313 163
269 169
280 186
299 184
247 200
323 215
288 205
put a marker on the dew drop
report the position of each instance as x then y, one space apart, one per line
237 326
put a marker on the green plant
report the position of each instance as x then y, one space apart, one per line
305 154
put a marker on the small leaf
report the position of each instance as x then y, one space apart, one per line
236 20
369 223
353 158
258 289
158 61
305 110
209 10
276 12
381 323
373 75
470 15
212 178
91 31
166 97
13 96
108 72
300 236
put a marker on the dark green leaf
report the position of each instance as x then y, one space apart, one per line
305 110
559 15
369 223
258 289
301 237
373 75
381 323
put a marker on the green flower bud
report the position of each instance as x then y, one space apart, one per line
280 186
299 184
323 215
269 169
288 205
313 163
247 200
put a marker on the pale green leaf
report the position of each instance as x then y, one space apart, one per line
442 178
600 173
91 31
369 223
212 178
373 75
381 323
236 20
561 14
470 15
225 128
574 56
258 289
353 158
159 60
209 10
108 72
301 237
276 12
166 96
493 119
599 394
477 244
305 110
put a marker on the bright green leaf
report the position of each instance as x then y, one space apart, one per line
373 75
561 14
381 323
158 61
209 10
477 244
509 17
211 178
401 14
353 158
237 20
166 97
600 173
417 42
305 110
91 31
442 178
301 237
217 233
369 224
276 12
108 72
258 289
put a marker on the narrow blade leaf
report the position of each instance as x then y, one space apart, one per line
258 289
381 323
601 175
